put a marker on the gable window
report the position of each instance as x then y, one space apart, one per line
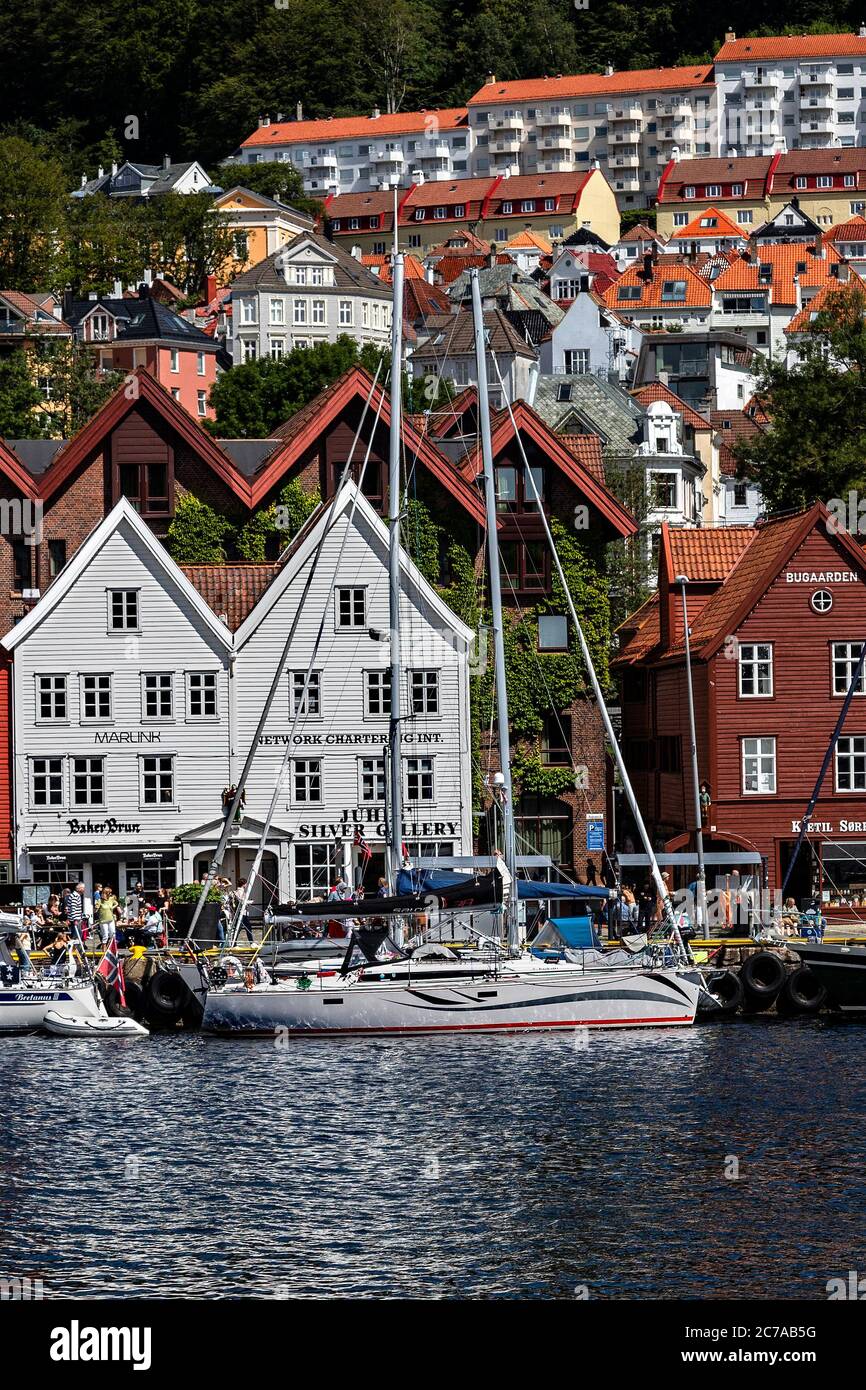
553 633
688 191
88 781
419 779
308 704
514 490
377 693
674 291
759 766
506 207
424 692
851 764
51 701
528 205
96 697
845 657
158 701
439 214
201 694
525 564
756 670
351 607
147 487
123 613
306 780
741 494
825 181
372 781
577 361
157 781
46 781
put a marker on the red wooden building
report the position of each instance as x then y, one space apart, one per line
777 615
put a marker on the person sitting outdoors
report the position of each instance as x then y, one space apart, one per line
790 923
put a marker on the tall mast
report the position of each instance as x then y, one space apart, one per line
701 879
395 765
509 846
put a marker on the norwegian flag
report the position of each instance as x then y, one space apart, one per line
361 844
112 969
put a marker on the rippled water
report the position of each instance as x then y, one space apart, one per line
438 1168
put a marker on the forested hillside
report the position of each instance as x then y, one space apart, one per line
195 73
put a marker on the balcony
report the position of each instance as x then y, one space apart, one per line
553 121
815 125
555 142
673 137
324 163
624 137
625 182
439 150
625 111
674 108
816 101
554 164
819 78
624 161
514 122
505 144
391 159
767 81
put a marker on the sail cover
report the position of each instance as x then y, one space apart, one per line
444 881
529 888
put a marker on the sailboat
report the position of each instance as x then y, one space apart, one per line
434 988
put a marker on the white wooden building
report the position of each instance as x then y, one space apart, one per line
134 706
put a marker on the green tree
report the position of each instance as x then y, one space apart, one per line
79 386
252 400
33 199
816 446
19 397
197 533
271 178
189 242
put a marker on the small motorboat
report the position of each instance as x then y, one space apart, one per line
62 1026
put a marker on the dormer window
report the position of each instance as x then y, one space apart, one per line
689 191
625 292
765 273
673 291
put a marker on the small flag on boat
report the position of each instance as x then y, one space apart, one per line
361 844
111 968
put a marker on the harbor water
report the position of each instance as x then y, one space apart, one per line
718 1161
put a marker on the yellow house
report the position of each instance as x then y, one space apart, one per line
262 226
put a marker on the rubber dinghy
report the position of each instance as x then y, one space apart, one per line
62 1026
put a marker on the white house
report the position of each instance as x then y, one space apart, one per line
590 338
134 707
307 292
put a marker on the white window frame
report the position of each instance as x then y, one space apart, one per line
175 359
95 676
346 313
277 311
313 768
125 626
157 772
425 692
850 750
148 678
195 681
751 661
58 688
845 655
47 773
201 364
299 313
319 314
354 590
312 871
381 686
420 769
375 774
758 762
90 774
314 695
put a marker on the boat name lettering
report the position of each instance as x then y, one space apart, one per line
104 827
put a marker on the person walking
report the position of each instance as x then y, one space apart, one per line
73 910
106 914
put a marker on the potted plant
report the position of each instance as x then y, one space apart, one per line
183 901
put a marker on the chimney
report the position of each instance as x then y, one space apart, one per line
210 288
265 119
861 32
166 161
144 290
648 265
730 36
100 174
280 118
490 80
147 277
299 111
843 270
113 167
795 202
732 152
83 180
357 252
117 291
798 294
376 113
608 72
93 296
490 258
818 249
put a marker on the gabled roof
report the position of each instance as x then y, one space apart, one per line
278 133
852 230
698 294
231 591
800 322
568 459
352 501
744 272
122 515
529 240
730 427
712 223
457 339
121 404
657 391
262 201
641 232
301 431
590 406
349 273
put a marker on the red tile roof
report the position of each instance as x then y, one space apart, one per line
707 553
710 223
730 427
280 133
666 268
232 591
657 391
420 300
852 230
641 232
593 84
586 448
800 322
795 46
784 257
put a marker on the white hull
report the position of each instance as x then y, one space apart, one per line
508 1003
64 1027
23 1006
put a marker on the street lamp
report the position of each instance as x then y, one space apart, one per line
701 882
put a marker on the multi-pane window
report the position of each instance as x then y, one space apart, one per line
577 361
309 704
46 781
96 697
307 780
663 490
318 311
372 781
299 311
851 764
846 655
157 781
756 669
759 766
347 317
158 701
315 870
51 701
377 692
88 781
424 691
123 610
419 779
202 694
351 608
556 740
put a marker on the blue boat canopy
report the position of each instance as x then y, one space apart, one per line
529 888
435 880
